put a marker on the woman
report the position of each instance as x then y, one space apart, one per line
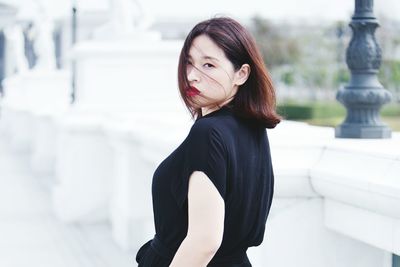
212 195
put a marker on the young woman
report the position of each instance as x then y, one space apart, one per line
212 195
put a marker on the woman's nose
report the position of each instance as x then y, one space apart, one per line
193 74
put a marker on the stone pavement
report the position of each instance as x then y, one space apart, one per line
30 234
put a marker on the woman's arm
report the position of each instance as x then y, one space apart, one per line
206 211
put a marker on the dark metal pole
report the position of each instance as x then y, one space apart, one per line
2 60
395 260
364 95
73 63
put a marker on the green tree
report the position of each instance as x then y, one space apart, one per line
276 47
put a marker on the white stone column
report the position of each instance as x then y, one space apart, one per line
114 80
28 94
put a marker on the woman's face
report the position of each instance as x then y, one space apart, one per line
212 74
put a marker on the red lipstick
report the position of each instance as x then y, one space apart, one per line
192 91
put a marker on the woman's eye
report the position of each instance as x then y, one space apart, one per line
208 65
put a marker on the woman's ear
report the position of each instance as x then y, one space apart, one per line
242 74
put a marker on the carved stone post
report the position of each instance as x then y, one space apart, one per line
364 95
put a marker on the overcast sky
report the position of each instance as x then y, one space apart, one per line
272 9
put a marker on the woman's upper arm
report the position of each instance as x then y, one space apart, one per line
205 151
206 212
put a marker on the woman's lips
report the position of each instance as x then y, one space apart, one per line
192 91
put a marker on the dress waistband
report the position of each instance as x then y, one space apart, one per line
236 258
167 253
161 249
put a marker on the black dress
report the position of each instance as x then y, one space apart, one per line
235 155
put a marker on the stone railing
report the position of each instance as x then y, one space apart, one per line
336 200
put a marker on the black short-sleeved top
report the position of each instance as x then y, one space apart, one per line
235 155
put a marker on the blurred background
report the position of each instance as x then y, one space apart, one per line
304 46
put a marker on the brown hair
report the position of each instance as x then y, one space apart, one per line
255 99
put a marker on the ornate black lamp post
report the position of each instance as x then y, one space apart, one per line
364 95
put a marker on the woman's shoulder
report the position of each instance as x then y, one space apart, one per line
205 127
216 125
219 130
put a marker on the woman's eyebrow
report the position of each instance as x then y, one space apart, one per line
206 57
212 58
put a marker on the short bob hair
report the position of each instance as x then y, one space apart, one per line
255 100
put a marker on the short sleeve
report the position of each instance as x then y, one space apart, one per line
204 151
